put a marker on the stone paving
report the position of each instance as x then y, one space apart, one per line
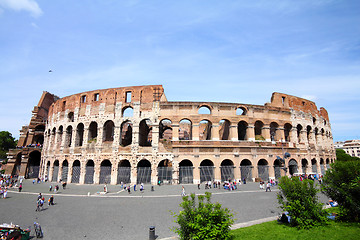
81 212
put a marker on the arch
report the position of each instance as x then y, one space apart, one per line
93 132
206 171
17 165
52 138
165 130
242 130
124 172
204 109
79 135
263 169
145 133
258 130
205 130
34 164
40 128
47 171
127 112
64 170
105 172
274 131
143 172
186 170
293 166
287 129
224 129
327 163
304 165
313 164
165 171
89 172
185 129
277 168
60 136
68 136
108 131
71 116
308 133
246 170
75 175
322 166
227 170
38 139
298 132
241 111
55 171
126 133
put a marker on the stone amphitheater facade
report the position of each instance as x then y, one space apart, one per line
134 135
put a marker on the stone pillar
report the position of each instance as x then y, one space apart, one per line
175 132
133 174
154 174
196 175
135 134
215 132
195 133
175 173
280 132
82 173
303 136
217 173
266 133
293 135
73 138
155 135
271 172
85 137
237 174
114 173
96 173
233 133
250 133
99 139
254 172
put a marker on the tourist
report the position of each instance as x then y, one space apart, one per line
268 187
141 187
51 200
5 193
134 187
183 191
64 185
199 186
105 188
128 189
50 188
20 187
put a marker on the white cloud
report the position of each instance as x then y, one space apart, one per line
23 5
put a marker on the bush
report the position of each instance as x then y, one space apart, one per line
342 184
204 220
299 198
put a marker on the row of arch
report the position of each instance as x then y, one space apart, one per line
185 172
184 132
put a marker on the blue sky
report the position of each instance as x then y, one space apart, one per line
204 50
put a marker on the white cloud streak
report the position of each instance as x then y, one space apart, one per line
22 5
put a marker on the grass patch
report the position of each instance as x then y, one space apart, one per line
274 230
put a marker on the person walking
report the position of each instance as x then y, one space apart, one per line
51 200
183 191
20 187
268 185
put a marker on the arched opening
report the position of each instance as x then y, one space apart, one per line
298 132
277 169
313 164
17 165
322 166
79 135
38 139
293 167
109 131
145 133
68 136
186 171
165 172
258 130
165 130
206 171
143 172
124 172
71 117
55 171
287 129
53 137
224 129
274 131
93 132
34 164
105 172
308 133
185 129
263 170
227 170
204 110
47 171
89 172
246 170
304 165
64 170
128 112
60 136
40 129
75 176
126 133
327 164
205 130
242 128
241 111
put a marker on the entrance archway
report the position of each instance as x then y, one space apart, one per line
124 172
55 171
227 170
293 167
277 169
143 172
246 170
65 170
105 172
186 170
34 164
89 172
206 171
17 165
165 171
263 170
75 176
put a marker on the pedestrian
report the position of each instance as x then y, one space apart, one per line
33 181
38 206
64 185
268 187
134 187
199 186
20 187
51 200
183 191
141 187
122 185
128 189
105 188
50 188
5 193
56 189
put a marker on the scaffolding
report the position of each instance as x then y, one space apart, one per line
186 174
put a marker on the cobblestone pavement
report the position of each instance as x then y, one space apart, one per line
82 212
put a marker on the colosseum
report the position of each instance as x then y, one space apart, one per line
134 135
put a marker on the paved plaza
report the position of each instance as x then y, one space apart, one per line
119 215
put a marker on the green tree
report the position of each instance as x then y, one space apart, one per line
6 142
342 156
299 198
342 184
204 220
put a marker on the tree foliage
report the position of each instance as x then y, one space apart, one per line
299 199
342 184
342 156
6 142
204 220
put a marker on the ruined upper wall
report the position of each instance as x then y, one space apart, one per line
298 104
111 96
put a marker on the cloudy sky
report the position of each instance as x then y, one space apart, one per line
204 50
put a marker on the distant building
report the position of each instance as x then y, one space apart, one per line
352 147
339 144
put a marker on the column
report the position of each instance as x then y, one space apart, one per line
196 175
215 133
237 173
96 173
271 172
217 173
195 133
233 133
254 172
266 133
114 173
280 132
82 173
175 132
250 133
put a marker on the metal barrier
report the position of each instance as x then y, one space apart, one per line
186 174
105 174
246 172
89 175
75 178
227 173
165 175
263 172
124 174
33 171
64 174
277 171
143 175
55 174
206 173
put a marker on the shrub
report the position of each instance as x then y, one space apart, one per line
204 220
342 184
299 198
